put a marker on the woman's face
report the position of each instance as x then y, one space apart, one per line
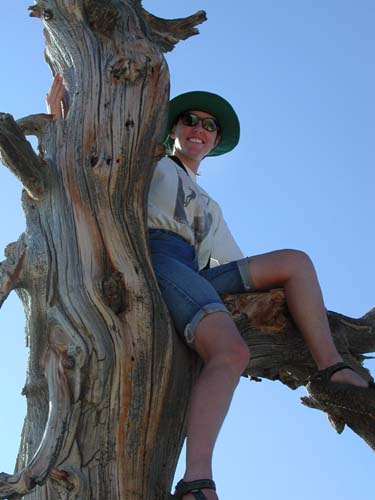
194 143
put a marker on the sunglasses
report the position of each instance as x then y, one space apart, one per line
191 120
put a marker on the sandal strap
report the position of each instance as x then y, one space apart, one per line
326 374
194 487
198 495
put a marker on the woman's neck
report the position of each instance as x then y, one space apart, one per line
192 165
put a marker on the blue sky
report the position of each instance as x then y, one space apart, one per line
301 76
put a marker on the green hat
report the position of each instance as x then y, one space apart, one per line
215 106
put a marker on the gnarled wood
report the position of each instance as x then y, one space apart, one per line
11 269
18 155
88 287
60 409
166 33
279 353
35 124
102 15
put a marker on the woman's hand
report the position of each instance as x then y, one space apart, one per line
54 97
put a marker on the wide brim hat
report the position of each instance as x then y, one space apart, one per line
216 106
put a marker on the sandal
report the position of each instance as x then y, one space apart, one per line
194 487
326 374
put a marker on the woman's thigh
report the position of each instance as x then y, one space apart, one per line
233 277
188 295
275 269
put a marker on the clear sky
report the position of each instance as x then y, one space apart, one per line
301 75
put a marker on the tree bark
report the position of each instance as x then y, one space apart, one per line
279 353
106 371
108 380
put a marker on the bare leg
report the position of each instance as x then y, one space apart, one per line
226 356
294 271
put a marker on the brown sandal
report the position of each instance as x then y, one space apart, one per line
326 374
194 487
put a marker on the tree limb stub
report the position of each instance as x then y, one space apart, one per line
35 11
36 125
166 33
279 353
40 11
11 268
18 155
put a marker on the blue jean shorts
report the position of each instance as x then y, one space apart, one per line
191 294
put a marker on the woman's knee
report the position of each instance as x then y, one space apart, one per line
235 356
297 259
218 341
275 269
240 356
299 264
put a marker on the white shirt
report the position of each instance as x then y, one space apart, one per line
177 203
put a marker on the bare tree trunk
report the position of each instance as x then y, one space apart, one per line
106 371
108 380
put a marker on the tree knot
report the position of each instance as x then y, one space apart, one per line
114 294
129 70
102 16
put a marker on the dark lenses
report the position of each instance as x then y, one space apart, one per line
191 120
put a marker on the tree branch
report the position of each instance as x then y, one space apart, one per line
60 409
355 408
36 125
11 269
280 353
166 33
18 155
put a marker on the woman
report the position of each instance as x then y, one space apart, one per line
188 234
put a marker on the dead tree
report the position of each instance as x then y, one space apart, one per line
106 374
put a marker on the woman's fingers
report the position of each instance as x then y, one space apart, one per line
54 97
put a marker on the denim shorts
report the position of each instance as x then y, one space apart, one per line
191 294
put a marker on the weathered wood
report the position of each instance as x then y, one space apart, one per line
166 33
103 355
61 415
279 353
18 155
12 268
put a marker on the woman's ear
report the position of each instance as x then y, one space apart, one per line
217 140
172 134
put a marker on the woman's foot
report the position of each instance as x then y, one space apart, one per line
341 373
203 489
348 376
209 494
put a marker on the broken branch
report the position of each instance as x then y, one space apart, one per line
53 438
166 33
11 269
280 353
18 155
